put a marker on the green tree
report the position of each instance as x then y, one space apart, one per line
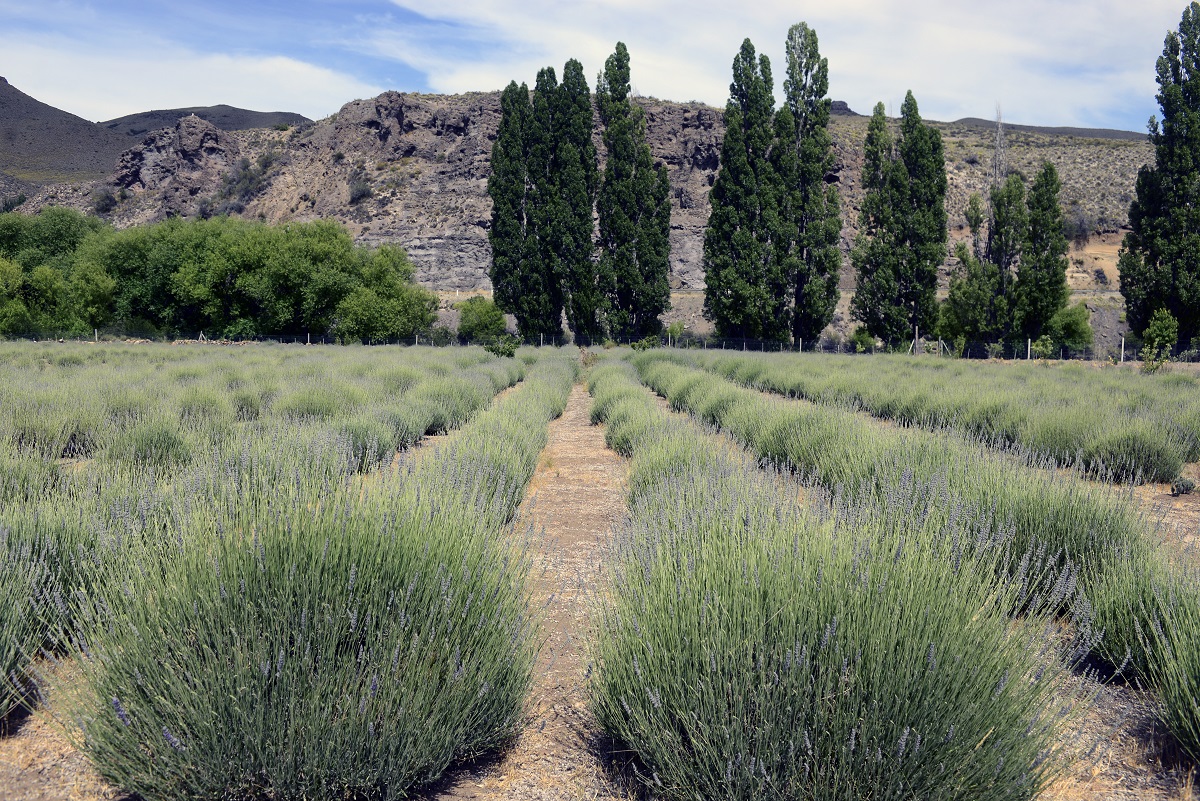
974 215
1008 228
509 188
976 308
745 287
634 210
1041 287
809 219
903 226
576 178
1160 256
479 319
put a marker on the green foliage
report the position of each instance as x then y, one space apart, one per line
1043 347
1008 228
745 289
1162 332
903 226
1160 256
12 203
976 307
1111 424
647 343
862 340
1071 327
809 219
1041 289
634 210
575 181
358 186
246 181
479 319
504 346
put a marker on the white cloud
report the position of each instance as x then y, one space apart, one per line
1048 62
100 84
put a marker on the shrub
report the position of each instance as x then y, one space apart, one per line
748 650
1182 486
480 319
324 658
26 585
1158 339
863 342
153 443
370 442
1043 347
504 347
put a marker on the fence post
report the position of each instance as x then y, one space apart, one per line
1028 348
1122 349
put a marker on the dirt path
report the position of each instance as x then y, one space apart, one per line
575 499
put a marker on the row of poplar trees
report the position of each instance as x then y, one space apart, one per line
771 255
549 255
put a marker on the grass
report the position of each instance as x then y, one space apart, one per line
753 648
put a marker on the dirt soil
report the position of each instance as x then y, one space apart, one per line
574 501
38 763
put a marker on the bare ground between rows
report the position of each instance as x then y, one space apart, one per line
573 503
1117 750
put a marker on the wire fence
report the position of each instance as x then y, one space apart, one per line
1121 352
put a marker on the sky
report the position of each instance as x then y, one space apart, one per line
1087 63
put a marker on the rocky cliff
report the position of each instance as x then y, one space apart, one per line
412 169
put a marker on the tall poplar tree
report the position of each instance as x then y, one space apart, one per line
877 251
1160 256
1041 287
575 176
543 186
809 216
634 209
903 226
745 289
518 284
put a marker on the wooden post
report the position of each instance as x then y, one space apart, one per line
1122 349
1028 348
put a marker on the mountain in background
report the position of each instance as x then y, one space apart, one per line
227 118
40 144
411 169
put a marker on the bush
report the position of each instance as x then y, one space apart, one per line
862 340
26 584
749 651
504 347
1043 347
647 343
479 319
1071 327
153 443
334 655
1158 339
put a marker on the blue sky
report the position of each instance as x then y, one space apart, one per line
1044 62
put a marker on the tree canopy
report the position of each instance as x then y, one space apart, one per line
1160 256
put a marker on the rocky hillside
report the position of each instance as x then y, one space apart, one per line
412 169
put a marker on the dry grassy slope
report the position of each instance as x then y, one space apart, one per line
39 143
426 158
